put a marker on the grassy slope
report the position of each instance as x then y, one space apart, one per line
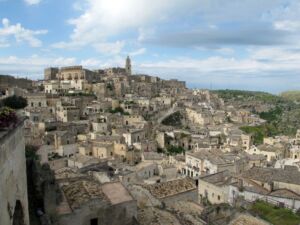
291 95
275 215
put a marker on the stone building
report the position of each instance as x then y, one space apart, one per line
198 116
115 71
52 87
77 73
271 152
134 136
175 190
276 186
207 162
13 182
89 202
51 73
214 187
67 113
36 100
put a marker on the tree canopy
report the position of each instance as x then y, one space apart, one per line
14 102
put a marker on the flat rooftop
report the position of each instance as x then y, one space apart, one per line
82 191
79 192
116 193
170 188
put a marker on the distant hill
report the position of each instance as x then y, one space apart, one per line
240 95
291 95
281 112
10 81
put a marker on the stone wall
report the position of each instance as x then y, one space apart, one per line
191 195
120 214
13 180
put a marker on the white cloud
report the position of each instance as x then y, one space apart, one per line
211 64
140 51
225 51
287 25
32 2
276 55
102 19
67 45
145 34
109 48
259 61
91 63
32 66
3 43
262 70
20 34
94 63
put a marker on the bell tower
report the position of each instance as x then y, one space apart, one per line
128 66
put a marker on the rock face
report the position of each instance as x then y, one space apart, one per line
13 182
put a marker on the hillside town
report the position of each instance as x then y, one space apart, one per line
108 146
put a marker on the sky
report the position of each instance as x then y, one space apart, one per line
218 44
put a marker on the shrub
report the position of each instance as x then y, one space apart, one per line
15 102
174 150
118 110
7 117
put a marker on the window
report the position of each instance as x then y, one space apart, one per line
94 221
219 197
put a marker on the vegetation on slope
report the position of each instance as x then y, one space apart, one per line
174 150
272 115
118 110
291 95
173 120
236 95
8 117
259 132
281 119
274 214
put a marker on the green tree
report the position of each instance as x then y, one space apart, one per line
14 102
174 150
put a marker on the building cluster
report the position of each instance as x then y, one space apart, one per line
137 149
